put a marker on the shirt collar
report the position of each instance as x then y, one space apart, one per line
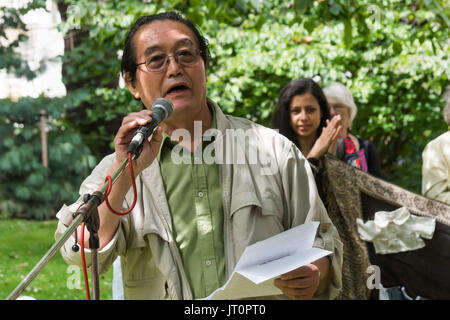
169 143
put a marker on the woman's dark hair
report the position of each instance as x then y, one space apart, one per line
128 64
282 119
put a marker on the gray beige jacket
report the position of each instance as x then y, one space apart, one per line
267 188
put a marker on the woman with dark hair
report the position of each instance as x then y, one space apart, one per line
303 117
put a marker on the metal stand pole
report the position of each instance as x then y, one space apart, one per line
90 213
95 277
45 259
86 212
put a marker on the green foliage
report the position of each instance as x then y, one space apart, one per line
96 113
394 63
391 54
28 188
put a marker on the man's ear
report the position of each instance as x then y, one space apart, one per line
131 86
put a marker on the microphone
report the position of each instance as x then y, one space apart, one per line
162 109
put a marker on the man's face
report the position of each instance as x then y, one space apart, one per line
183 85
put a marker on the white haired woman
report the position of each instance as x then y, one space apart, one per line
354 150
436 162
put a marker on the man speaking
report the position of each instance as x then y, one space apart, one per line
193 219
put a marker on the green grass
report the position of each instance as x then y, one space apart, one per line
22 245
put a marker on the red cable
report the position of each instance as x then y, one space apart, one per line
83 261
108 190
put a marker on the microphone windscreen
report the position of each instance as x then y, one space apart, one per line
162 109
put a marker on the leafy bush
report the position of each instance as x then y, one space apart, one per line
391 54
28 189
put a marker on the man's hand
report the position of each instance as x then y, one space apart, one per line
130 123
126 132
301 283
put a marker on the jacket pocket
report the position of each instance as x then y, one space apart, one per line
253 219
243 199
248 204
146 289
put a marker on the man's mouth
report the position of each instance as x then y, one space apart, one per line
177 90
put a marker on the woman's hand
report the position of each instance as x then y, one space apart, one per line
328 136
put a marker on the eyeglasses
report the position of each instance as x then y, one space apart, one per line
158 62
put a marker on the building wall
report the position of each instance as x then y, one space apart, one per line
45 45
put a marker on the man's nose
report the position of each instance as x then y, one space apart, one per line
173 68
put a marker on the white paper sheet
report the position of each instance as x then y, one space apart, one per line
263 261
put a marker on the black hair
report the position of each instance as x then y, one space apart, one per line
282 119
128 64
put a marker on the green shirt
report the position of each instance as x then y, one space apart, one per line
195 201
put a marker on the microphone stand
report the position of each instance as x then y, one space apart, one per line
88 212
